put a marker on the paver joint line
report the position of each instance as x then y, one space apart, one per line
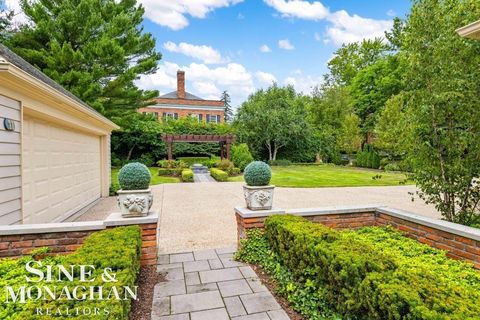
197 289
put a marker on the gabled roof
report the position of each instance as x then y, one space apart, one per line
14 59
471 31
174 95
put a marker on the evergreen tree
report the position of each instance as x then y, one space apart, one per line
94 48
228 108
6 17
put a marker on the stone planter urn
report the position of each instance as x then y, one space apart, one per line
135 199
258 193
135 203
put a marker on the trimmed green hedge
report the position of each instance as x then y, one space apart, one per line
117 248
187 175
375 273
219 175
190 161
169 172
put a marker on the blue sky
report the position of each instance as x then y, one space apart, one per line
243 45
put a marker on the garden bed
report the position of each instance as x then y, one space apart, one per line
371 273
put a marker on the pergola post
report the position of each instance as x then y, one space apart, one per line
222 150
169 150
228 151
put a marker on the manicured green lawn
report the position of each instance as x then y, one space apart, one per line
331 176
156 179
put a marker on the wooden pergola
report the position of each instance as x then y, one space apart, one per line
225 142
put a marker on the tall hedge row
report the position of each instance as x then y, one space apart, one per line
376 273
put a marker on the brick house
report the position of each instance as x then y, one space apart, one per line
178 104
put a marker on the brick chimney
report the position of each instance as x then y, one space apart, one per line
181 84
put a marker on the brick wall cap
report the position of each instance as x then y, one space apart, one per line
115 219
454 228
333 210
247 213
51 227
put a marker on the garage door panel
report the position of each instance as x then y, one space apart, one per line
61 170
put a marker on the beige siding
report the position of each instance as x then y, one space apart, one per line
10 170
61 170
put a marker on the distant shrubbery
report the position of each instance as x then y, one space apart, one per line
368 158
219 175
187 175
241 156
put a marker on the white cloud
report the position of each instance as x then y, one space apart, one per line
19 17
285 44
265 49
303 83
265 78
299 9
204 53
202 80
173 13
347 28
344 28
391 13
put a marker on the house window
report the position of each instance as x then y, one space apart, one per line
170 115
213 118
198 117
156 115
144 113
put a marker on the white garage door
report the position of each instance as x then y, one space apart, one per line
61 170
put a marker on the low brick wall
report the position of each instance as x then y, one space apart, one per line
460 242
64 238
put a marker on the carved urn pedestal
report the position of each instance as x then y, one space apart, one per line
135 203
258 198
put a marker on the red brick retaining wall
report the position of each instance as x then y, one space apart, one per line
453 238
17 245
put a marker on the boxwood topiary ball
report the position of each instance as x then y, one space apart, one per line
257 173
134 176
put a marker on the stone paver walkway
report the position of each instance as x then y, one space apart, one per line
210 285
203 177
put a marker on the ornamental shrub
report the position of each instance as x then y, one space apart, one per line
172 164
134 176
169 172
225 165
190 161
187 175
375 273
241 156
257 173
219 175
122 256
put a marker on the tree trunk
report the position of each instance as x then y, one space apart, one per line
269 147
130 153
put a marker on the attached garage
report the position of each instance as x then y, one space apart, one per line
54 149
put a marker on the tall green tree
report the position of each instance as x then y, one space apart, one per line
350 138
442 76
372 87
94 48
228 108
272 119
392 128
353 57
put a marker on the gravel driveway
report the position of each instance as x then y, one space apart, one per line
200 215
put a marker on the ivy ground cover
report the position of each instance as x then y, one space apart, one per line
371 273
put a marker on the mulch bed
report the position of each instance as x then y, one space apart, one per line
271 284
147 279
